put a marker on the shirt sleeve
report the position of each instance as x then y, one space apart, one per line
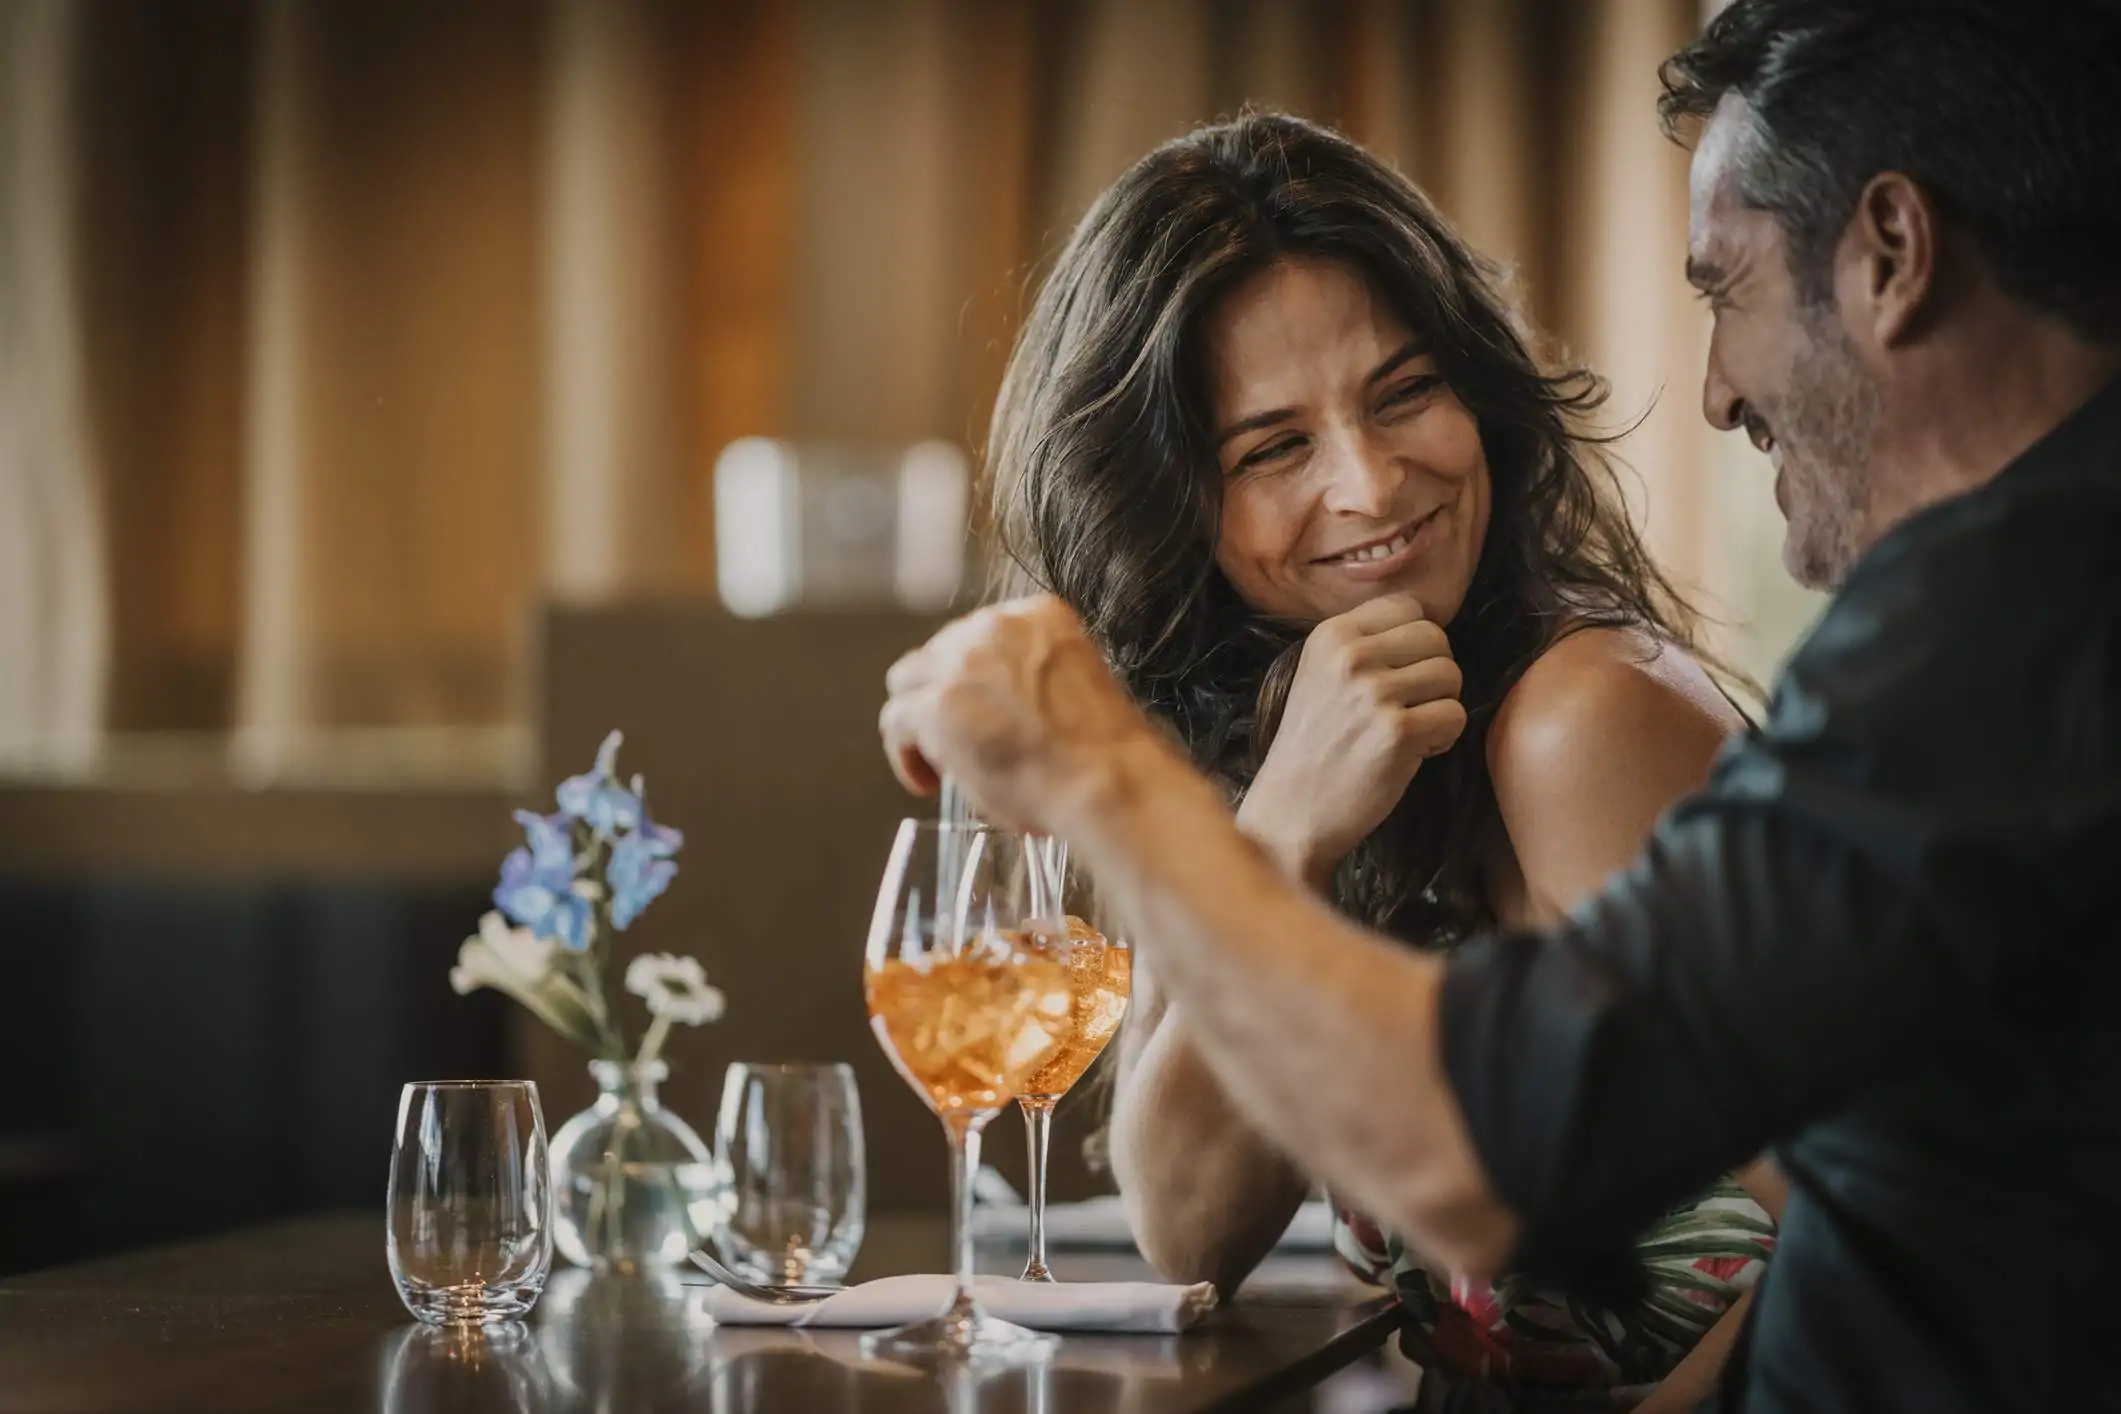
1929 821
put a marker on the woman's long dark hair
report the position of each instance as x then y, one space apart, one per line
1107 490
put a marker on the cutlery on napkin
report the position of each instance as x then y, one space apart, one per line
1115 1306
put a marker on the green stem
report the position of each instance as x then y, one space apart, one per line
613 1194
652 1043
589 975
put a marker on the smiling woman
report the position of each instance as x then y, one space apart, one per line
1263 354
1365 472
1273 431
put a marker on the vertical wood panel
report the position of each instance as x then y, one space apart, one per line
165 182
1483 176
1373 57
272 677
992 56
878 251
615 452
742 186
419 434
1624 305
54 610
1141 76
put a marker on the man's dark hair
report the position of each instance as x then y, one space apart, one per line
2007 112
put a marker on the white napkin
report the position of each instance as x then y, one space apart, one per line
1102 1222
1121 1306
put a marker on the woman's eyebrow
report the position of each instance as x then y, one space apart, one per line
1256 421
1407 352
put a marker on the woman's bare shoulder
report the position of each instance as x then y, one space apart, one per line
1600 684
1602 733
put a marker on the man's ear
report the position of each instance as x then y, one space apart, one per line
1885 269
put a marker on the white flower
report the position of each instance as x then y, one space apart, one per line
675 988
511 960
518 963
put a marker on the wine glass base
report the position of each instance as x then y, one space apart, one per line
1036 1270
958 1337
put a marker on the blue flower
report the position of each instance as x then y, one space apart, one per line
640 869
537 883
598 799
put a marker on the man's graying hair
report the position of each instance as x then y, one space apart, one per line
2007 112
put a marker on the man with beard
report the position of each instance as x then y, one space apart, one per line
1883 938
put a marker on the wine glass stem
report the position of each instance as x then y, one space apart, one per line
1038 1126
964 1162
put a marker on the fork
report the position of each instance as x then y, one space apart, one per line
771 1295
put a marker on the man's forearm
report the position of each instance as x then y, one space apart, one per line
1323 1036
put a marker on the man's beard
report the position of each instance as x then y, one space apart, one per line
1825 424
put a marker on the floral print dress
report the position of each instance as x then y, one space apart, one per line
1519 1346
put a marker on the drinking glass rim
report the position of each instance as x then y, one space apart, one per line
920 824
471 1084
793 1067
967 827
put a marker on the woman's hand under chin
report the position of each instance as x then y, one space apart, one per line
1375 695
1015 703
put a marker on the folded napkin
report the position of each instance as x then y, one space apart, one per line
1102 1222
1122 1306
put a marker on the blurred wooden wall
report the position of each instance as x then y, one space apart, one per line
401 317
401 321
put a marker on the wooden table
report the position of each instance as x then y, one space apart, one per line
302 1317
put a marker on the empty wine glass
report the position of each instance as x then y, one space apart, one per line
470 1212
790 1138
967 1009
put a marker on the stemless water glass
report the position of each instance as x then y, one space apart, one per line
470 1200
790 1139
966 1009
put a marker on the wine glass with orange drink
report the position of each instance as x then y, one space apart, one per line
1100 973
968 1007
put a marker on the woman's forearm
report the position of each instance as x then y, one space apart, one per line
1297 852
1695 1375
1205 1196
1307 1022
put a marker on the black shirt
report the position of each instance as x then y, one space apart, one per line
1887 934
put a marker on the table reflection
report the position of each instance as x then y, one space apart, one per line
601 1343
622 1342
756 1369
443 1369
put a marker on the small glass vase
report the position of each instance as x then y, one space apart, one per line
633 1188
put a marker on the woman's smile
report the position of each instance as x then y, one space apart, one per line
1381 560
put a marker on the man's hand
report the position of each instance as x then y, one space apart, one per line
1016 704
1302 1018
